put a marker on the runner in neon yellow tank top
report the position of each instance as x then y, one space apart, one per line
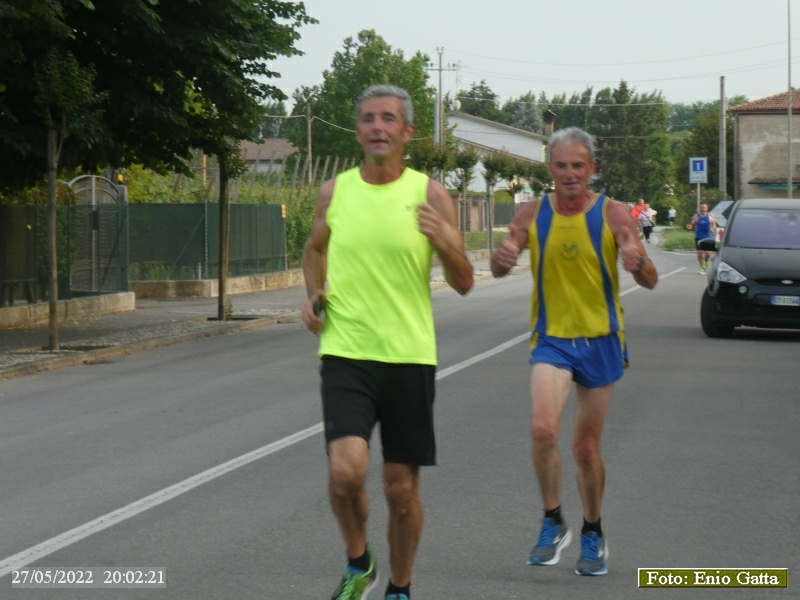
575 238
367 266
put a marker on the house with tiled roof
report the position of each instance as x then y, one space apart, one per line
268 155
760 157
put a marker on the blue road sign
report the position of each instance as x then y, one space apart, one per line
698 173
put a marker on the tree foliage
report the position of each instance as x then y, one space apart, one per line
464 164
633 148
704 141
273 119
682 115
538 178
364 61
524 113
172 76
425 156
481 101
573 112
495 165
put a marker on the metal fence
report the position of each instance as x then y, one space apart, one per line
181 241
163 242
87 249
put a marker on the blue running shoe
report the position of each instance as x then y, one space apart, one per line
594 552
355 584
396 597
552 540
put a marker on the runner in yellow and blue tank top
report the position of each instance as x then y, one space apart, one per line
569 264
575 237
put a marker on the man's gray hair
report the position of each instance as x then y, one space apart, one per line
382 91
572 135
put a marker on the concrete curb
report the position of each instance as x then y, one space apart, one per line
38 313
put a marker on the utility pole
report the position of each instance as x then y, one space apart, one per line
789 169
723 152
438 115
308 134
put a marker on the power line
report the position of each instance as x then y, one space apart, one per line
620 64
598 104
483 73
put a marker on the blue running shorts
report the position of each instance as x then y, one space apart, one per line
593 362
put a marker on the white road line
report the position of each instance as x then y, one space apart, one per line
34 553
82 532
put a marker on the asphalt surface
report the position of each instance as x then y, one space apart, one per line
99 462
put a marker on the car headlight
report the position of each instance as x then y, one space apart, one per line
727 274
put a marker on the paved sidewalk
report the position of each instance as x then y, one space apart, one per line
153 323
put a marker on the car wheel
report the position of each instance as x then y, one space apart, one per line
711 327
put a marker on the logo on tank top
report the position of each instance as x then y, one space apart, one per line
570 251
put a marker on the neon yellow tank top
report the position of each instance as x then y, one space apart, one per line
574 267
378 297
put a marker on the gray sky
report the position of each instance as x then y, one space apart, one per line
679 47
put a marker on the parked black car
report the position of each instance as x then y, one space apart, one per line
754 279
721 211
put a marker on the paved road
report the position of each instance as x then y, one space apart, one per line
205 458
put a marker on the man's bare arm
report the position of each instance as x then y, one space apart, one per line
631 250
315 260
437 221
505 257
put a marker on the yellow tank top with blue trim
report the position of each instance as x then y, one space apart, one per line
378 302
575 277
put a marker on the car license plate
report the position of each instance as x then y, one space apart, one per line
785 300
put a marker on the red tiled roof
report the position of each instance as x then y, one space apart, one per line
268 149
770 104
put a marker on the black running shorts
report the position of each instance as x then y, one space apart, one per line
357 394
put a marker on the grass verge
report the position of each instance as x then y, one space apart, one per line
677 239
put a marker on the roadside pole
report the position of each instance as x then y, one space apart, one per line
698 173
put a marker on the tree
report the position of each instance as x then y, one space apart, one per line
269 126
363 62
155 63
572 113
704 141
524 113
538 178
633 148
425 156
683 115
64 93
464 163
513 170
494 165
173 76
481 101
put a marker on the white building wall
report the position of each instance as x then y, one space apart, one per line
495 136
499 137
760 152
